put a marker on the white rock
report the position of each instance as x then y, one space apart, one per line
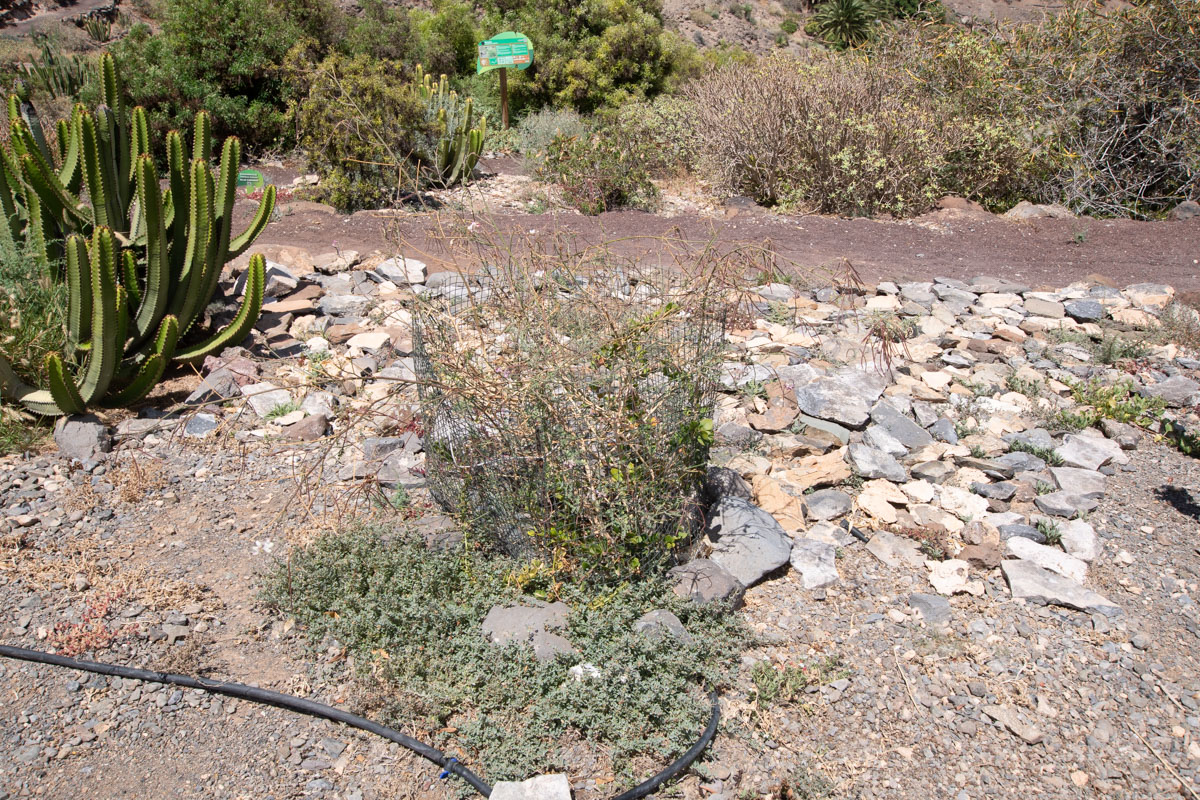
317 344
951 577
919 491
962 503
1050 558
369 341
1080 540
543 787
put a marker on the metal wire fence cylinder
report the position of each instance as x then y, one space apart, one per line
568 415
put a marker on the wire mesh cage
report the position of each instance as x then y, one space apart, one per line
566 415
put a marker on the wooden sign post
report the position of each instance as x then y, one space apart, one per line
504 50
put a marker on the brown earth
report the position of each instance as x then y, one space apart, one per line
951 243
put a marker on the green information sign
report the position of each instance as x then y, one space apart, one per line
508 49
250 179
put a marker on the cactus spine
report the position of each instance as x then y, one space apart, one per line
141 264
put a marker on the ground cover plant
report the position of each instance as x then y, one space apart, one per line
412 620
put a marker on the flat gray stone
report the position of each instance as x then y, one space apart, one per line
1085 310
1074 480
1065 504
816 561
943 431
832 428
828 504
343 305
900 426
845 397
519 623
896 551
932 471
1090 452
1040 307
872 463
878 437
995 491
723 482
1176 390
200 425
1024 531
1047 557
1079 539
1028 581
402 271
265 397
703 581
747 541
736 435
1020 461
933 608
81 436
543 787
220 384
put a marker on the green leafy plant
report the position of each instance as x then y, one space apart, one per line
1047 454
99 29
1042 488
600 172
978 452
411 618
1029 388
1050 530
774 684
282 410
1118 402
1074 420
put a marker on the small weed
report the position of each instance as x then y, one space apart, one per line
1041 487
978 452
1073 420
787 684
1183 440
978 388
962 429
887 334
934 542
854 483
1029 388
1047 454
1050 530
282 410
781 314
753 389
1114 349
1179 324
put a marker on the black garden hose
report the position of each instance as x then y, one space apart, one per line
450 766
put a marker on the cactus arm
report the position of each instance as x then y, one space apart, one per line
157 277
188 300
35 232
116 195
10 194
71 172
79 293
111 93
218 245
39 401
63 392
241 325
93 174
177 217
129 277
202 138
56 203
107 325
265 209
32 125
147 378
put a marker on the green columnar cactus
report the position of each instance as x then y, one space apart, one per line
460 141
141 282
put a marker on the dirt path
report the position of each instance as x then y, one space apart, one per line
953 244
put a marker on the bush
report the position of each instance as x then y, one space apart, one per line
664 130
220 56
32 310
600 172
589 55
359 125
576 424
843 134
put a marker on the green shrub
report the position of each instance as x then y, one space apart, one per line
220 56
664 130
32 310
359 125
412 620
600 172
589 55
